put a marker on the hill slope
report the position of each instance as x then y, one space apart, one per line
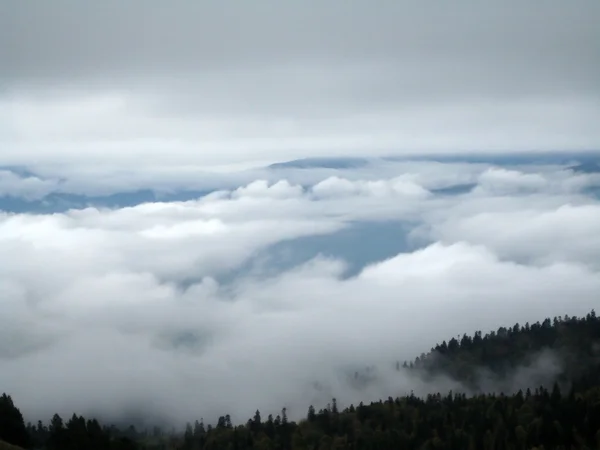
564 349
563 412
7 446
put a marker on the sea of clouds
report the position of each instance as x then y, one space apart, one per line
266 287
162 259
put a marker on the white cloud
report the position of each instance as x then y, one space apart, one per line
533 235
28 187
127 300
340 187
503 181
102 180
260 188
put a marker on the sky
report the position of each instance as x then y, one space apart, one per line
115 85
166 246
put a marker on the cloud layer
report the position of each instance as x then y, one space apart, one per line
179 308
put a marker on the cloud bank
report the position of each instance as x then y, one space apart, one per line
179 308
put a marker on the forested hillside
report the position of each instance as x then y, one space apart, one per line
563 412
564 349
6 446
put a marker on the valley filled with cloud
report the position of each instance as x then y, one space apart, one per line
270 293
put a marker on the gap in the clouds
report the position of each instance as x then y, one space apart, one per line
359 244
593 191
193 341
456 189
62 202
21 171
586 167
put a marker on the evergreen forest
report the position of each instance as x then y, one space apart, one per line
562 411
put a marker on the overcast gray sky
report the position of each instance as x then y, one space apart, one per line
183 82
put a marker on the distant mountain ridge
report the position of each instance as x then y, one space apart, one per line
57 201
587 159
321 163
